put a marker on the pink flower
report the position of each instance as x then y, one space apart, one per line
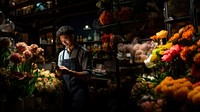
33 48
27 54
147 106
46 79
16 58
167 57
21 47
40 51
169 54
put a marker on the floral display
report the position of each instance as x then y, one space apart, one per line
106 17
110 13
175 66
17 65
152 105
182 47
106 39
47 83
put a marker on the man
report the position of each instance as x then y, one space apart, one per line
75 63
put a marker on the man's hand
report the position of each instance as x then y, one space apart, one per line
64 69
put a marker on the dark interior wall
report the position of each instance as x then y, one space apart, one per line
78 22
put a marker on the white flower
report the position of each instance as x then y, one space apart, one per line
52 75
45 73
148 63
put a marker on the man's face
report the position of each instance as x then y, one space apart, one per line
66 40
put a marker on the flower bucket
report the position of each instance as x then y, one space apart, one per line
41 103
14 105
29 103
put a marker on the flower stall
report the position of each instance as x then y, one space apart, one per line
20 78
173 84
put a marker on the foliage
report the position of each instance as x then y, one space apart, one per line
17 65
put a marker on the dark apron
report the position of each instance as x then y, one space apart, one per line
76 93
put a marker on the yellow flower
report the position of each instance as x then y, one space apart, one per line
162 34
168 45
162 52
153 58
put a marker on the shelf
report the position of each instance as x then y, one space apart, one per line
100 59
197 34
126 2
30 2
178 19
91 42
121 23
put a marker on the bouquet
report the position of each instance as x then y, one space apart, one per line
47 83
17 65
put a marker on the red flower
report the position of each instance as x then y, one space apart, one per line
106 17
16 58
105 38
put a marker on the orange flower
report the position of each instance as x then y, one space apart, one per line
181 80
168 90
196 98
176 86
193 47
184 53
150 85
181 93
158 89
174 37
169 78
189 32
191 94
197 58
187 84
198 42
154 38
106 17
